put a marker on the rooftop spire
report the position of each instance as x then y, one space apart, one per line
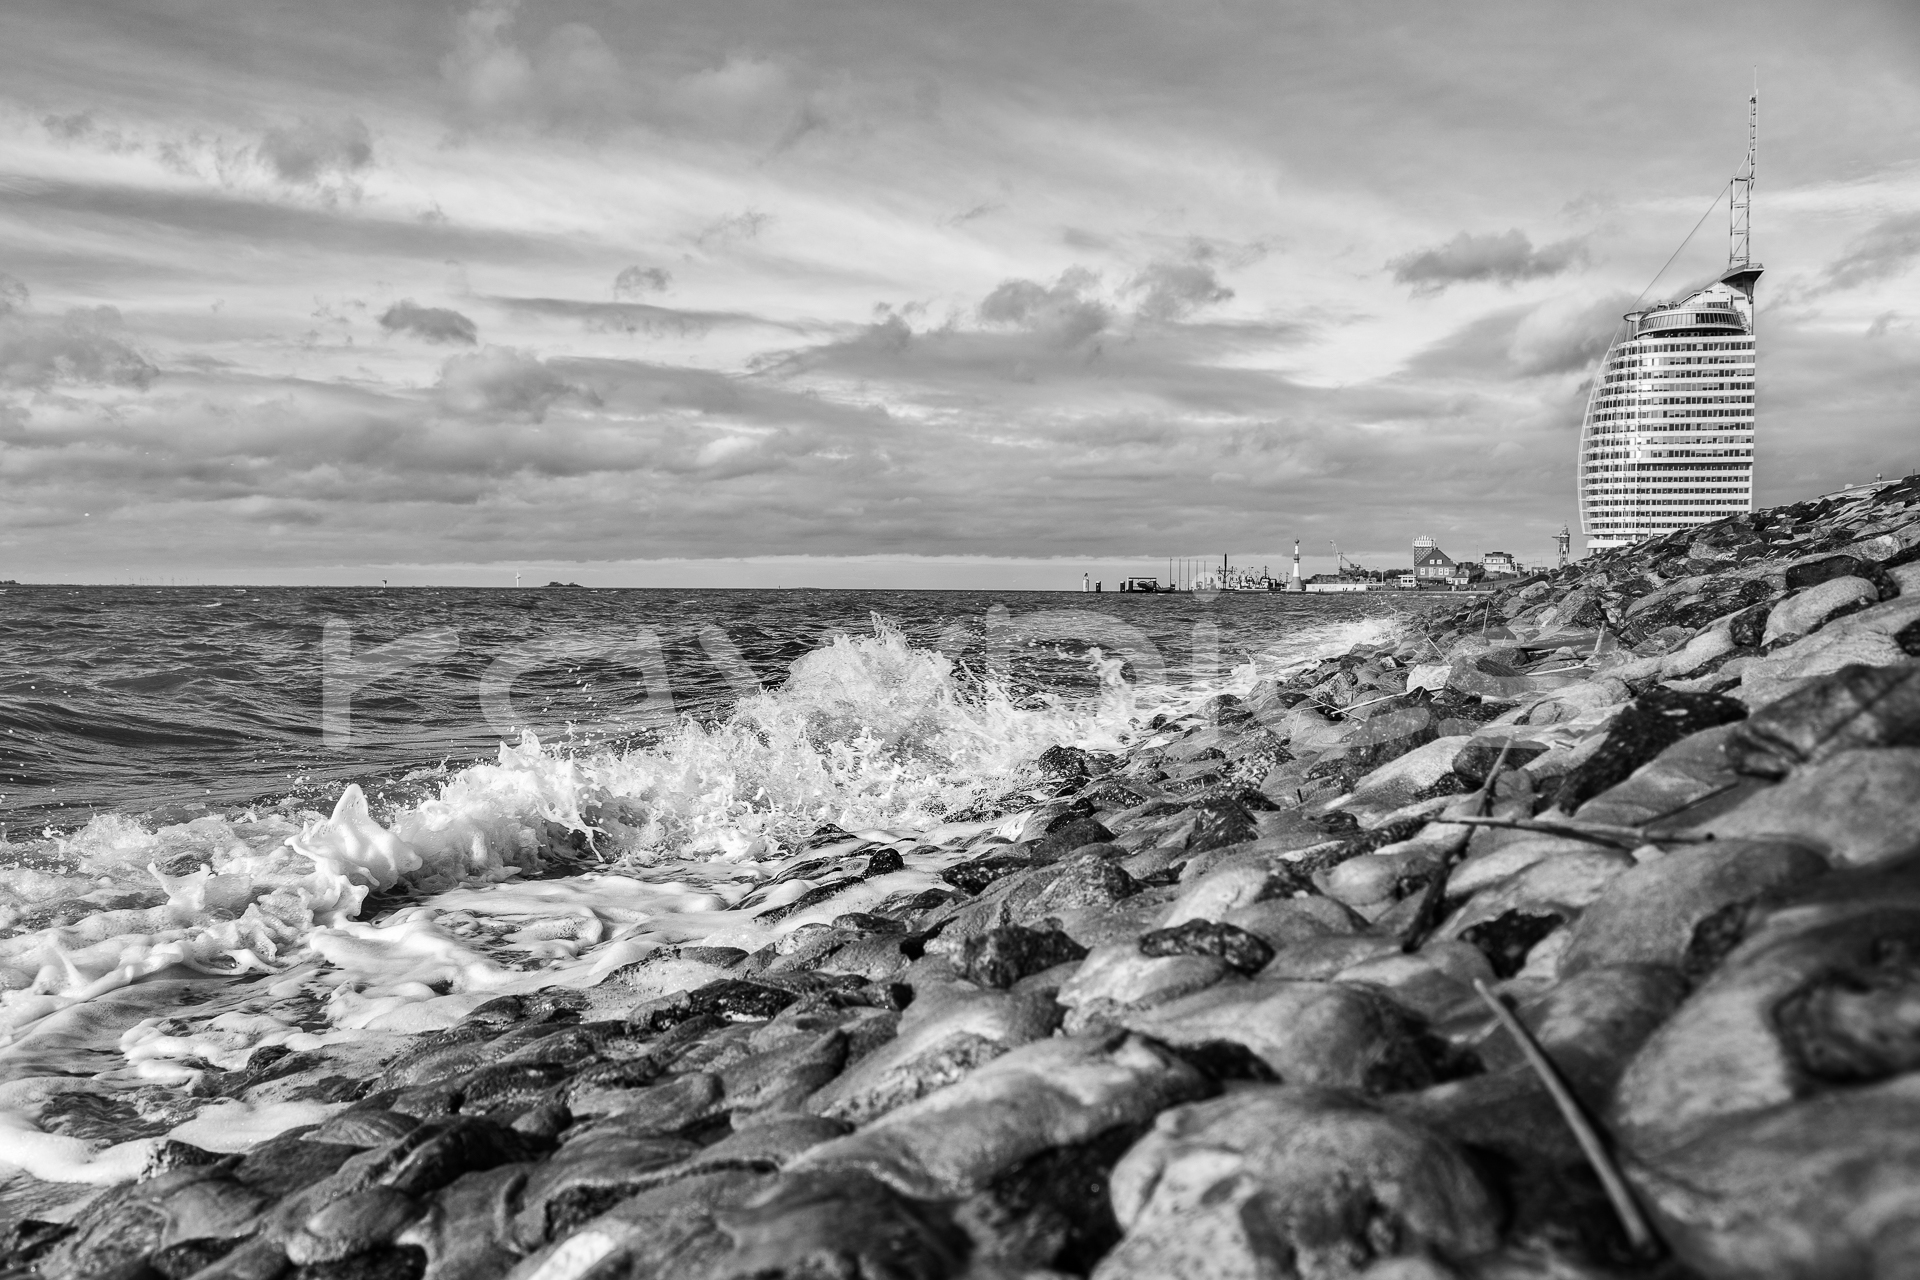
1739 216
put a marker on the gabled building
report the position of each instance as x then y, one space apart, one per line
1432 565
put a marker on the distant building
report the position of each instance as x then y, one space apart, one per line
1500 562
1432 565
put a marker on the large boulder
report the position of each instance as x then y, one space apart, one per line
948 1031
1053 1093
1810 609
1856 706
1819 990
1821 1188
1325 1033
1278 1181
1119 976
1648 914
1856 806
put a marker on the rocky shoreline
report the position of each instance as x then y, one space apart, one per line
1221 1007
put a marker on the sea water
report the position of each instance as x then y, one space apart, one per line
235 819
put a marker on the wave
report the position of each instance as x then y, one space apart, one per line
544 866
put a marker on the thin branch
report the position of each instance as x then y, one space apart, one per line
1639 1234
1427 917
1592 832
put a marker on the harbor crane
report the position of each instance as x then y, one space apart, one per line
1341 563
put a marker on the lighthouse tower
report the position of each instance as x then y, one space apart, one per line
1296 582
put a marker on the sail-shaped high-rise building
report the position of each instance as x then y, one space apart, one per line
1668 436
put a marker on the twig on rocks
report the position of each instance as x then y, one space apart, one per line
1639 1234
1592 832
1427 918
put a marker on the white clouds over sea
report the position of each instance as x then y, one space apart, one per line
411 283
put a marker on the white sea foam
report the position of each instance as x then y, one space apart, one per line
868 733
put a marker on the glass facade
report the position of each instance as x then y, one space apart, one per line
1668 436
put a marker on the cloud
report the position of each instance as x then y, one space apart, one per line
1503 258
1066 313
433 324
1173 290
633 282
643 317
1567 334
314 150
571 79
79 348
1885 250
501 382
746 225
135 213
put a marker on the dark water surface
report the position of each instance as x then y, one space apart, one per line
164 702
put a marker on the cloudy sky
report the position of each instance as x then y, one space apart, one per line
771 291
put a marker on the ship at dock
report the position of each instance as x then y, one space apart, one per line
1668 438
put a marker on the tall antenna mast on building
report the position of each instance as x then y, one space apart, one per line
1740 211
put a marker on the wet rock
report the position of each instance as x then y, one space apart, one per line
1282 922
1051 1210
1857 706
589 1175
1305 1032
1820 1188
1502 862
1363 879
1063 765
351 1225
668 1107
1430 982
362 1128
1822 973
1655 721
782 1078
1220 823
1678 784
1523 908
1242 951
1224 888
1001 957
1063 839
1071 889
1508 938
1317 959
976 874
1395 782
667 1230
455 1147
112 1235
1118 976
840 1223
1475 760
1281 1181
1052 1093
1813 573
1592 1024
732 999
946 1033
1855 805
1648 914
1813 608
1388 735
